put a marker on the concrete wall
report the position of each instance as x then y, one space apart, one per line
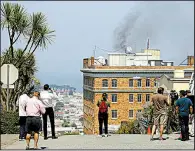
180 86
117 59
164 81
155 53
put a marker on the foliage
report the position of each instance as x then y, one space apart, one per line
73 125
33 31
72 133
173 121
128 128
9 122
81 120
66 124
26 80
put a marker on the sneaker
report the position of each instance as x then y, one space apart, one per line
99 135
27 148
151 138
54 137
162 139
106 135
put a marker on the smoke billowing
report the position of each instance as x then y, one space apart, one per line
169 26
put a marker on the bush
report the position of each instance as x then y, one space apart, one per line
72 133
128 128
9 122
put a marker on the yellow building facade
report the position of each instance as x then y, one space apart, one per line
128 89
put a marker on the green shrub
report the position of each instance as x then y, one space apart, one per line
9 122
72 133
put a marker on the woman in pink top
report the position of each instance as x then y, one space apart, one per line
34 109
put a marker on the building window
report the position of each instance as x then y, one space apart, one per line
131 114
139 111
114 83
131 98
139 83
130 82
114 98
114 114
147 82
105 83
139 98
147 97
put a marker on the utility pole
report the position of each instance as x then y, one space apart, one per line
94 51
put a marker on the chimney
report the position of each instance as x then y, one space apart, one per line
92 61
190 60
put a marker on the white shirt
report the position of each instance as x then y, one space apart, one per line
21 103
47 98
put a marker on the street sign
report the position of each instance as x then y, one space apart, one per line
12 73
11 86
9 74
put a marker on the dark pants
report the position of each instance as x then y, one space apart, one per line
103 118
184 122
22 122
33 124
50 112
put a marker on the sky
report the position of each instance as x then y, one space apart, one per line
80 26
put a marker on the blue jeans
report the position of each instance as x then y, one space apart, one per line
22 122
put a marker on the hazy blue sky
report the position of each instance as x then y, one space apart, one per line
80 26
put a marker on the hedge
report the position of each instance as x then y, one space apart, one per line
9 122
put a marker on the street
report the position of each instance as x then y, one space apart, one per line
132 141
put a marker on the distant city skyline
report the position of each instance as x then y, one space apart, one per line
80 26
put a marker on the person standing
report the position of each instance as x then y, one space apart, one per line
183 108
47 98
191 118
21 103
103 114
34 109
159 102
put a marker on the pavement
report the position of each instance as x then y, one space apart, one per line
115 141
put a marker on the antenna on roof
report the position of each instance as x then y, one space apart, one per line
128 50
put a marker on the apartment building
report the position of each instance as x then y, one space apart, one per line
128 88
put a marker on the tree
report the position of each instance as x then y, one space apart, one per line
65 124
58 106
34 32
26 81
73 125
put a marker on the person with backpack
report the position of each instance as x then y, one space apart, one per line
103 114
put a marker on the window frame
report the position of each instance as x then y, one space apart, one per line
129 98
148 83
114 83
147 97
104 83
112 95
132 83
140 83
112 112
138 98
133 114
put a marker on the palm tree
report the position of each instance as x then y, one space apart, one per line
26 80
34 32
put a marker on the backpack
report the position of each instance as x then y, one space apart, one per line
103 108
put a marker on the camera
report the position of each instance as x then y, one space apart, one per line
174 96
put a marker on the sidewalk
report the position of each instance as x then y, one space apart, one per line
8 139
128 141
